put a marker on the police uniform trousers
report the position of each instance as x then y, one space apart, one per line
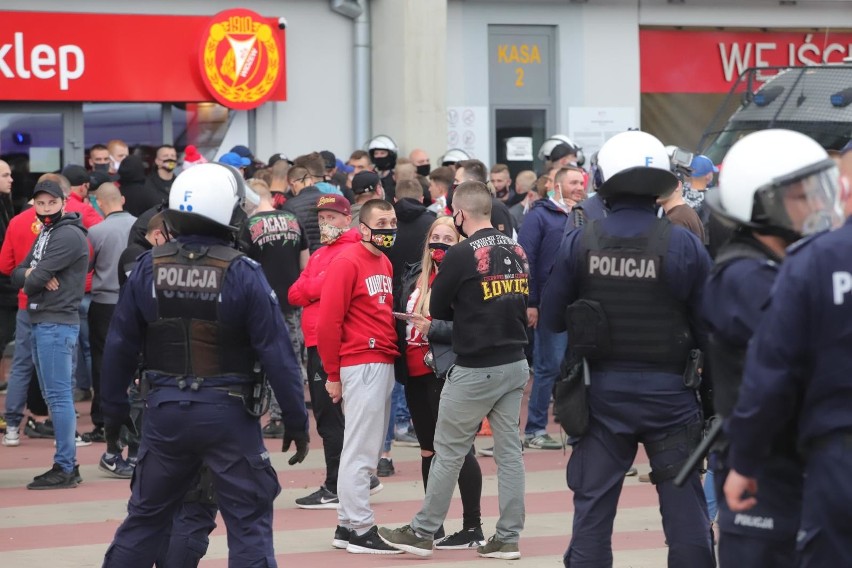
825 536
765 535
183 429
626 408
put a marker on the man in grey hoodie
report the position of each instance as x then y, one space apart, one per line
53 276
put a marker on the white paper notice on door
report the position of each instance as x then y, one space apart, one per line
519 149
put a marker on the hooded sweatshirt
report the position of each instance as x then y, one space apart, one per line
306 290
138 197
413 222
62 251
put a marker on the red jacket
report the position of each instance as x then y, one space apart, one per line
356 325
306 290
20 237
75 204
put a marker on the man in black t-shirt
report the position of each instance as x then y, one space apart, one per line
278 242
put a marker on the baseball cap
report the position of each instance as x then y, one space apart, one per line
702 165
341 167
77 175
276 157
242 152
562 150
329 159
365 182
97 178
50 187
234 159
334 202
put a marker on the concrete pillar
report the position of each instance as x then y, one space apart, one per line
409 74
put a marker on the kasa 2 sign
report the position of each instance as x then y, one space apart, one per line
698 61
235 58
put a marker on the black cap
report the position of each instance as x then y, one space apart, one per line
365 182
329 159
50 187
96 178
276 157
77 175
562 150
242 152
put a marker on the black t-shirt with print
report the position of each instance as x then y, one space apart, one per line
276 239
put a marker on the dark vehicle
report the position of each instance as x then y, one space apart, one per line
816 101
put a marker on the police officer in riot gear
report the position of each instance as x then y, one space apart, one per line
797 366
201 314
627 288
383 153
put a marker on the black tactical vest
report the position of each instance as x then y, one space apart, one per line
726 360
625 275
187 338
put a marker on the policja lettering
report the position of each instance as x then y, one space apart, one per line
181 277
623 266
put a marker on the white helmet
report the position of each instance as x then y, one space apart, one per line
778 182
454 156
205 192
633 163
554 141
382 142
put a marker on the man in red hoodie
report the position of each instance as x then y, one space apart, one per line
356 338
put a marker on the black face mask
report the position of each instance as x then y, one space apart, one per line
460 225
503 193
101 168
50 220
424 170
382 239
385 162
437 251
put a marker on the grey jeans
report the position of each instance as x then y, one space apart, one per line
470 395
294 327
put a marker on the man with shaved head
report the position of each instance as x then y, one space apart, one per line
108 240
420 159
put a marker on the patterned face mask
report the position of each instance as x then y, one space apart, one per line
329 233
382 239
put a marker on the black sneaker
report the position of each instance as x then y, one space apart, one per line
341 537
375 485
465 538
35 429
385 468
322 498
275 429
55 478
369 543
96 435
77 476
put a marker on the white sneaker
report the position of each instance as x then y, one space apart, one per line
78 441
12 436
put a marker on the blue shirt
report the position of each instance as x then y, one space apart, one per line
246 300
800 353
685 267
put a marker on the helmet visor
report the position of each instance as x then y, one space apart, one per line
805 201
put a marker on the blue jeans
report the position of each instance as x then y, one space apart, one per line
710 494
21 371
83 353
547 359
53 351
400 417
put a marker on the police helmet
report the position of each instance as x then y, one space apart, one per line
556 140
454 156
383 142
633 163
778 182
204 199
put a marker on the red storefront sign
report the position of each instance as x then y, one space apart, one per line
684 61
47 56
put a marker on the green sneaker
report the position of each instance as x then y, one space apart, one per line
502 550
405 539
543 442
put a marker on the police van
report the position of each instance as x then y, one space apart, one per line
814 100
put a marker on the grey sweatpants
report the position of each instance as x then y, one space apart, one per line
366 406
294 328
470 395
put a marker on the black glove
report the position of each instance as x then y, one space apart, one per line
301 438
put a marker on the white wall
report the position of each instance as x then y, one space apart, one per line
318 113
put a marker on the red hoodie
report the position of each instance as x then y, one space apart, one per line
20 236
356 325
306 290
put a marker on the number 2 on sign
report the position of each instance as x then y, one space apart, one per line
519 81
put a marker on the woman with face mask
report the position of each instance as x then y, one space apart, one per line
426 367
